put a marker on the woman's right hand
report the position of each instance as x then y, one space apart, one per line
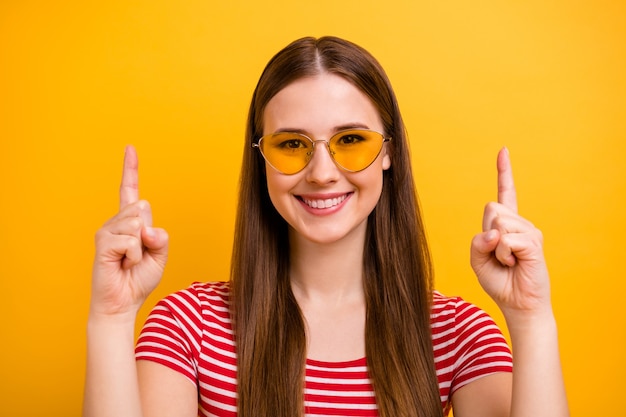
130 253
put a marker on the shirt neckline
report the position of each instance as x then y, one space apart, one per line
339 364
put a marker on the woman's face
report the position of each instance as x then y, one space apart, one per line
323 203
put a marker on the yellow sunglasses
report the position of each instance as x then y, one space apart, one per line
353 149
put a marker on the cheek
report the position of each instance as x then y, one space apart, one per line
370 185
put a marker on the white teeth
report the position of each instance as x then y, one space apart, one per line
328 203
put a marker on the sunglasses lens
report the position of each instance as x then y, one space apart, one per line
355 150
287 152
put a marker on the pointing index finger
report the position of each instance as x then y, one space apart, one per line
506 187
129 188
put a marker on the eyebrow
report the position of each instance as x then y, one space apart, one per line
346 126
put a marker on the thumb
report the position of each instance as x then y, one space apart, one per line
156 240
483 246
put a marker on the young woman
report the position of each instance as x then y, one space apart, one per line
330 308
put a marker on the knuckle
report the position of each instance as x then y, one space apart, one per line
498 223
135 223
506 240
132 242
132 209
143 204
490 207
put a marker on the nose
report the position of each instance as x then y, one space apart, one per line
322 168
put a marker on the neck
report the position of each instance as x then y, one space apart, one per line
328 271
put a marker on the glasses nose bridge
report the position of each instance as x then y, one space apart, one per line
326 142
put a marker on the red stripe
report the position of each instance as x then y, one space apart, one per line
462 331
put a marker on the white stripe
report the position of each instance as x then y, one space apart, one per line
340 406
358 368
327 393
342 381
167 359
216 390
218 376
204 355
189 323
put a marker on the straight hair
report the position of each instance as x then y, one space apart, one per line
268 324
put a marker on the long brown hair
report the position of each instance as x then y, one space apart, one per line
268 324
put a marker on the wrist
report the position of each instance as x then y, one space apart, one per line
100 319
529 325
528 314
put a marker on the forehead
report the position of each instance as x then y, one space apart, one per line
319 104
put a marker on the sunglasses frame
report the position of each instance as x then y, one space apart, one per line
257 145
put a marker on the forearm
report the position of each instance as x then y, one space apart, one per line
538 387
111 386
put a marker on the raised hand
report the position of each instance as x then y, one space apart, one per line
130 253
507 256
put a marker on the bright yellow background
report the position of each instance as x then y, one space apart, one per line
79 80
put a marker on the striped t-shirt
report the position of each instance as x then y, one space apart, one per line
190 332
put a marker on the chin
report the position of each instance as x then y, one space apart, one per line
330 236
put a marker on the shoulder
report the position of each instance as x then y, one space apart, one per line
214 294
189 315
454 311
444 311
197 303
461 329
467 343
183 325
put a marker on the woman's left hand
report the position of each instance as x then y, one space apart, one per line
507 256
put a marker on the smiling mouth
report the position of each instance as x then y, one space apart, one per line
324 203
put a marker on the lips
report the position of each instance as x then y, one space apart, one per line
324 203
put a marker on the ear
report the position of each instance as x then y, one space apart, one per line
386 157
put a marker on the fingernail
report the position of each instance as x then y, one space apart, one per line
150 232
491 235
